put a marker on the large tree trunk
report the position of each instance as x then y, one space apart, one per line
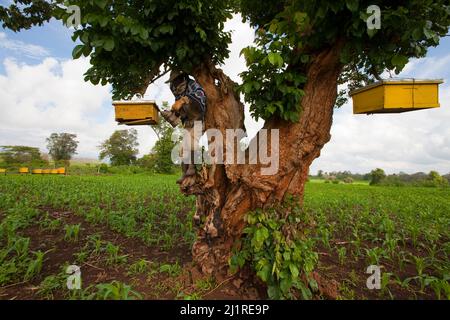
237 189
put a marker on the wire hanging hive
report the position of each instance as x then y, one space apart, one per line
135 113
396 96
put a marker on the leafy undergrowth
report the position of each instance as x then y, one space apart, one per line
279 248
131 238
404 231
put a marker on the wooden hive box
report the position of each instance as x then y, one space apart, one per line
24 170
134 113
396 96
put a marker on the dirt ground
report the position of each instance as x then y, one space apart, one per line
94 270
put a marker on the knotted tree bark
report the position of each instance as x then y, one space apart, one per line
240 188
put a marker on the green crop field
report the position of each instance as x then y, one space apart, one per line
131 238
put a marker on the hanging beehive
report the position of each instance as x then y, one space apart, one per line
135 113
396 96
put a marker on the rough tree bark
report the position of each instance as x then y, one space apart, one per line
238 189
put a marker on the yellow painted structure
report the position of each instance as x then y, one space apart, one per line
46 171
37 171
3 171
61 170
396 96
54 171
24 170
134 113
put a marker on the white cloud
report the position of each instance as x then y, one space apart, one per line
409 142
52 96
429 67
242 36
20 47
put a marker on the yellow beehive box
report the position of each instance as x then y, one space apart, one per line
2 171
37 171
45 171
134 113
24 170
61 170
395 96
54 171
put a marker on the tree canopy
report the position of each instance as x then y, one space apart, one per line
15 155
24 14
291 32
120 148
62 146
162 150
131 43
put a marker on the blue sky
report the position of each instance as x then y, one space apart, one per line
42 91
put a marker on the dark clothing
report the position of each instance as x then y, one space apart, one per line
196 109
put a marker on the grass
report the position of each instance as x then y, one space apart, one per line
132 235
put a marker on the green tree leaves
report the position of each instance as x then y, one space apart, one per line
289 35
24 14
276 59
109 44
278 251
120 148
78 51
399 61
62 146
129 42
20 155
352 5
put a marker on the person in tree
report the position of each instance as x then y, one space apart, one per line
189 107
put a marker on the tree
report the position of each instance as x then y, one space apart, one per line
302 51
377 176
162 149
21 155
436 179
120 148
23 14
62 146
160 158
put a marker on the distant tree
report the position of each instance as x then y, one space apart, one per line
162 126
120 148
163 153
377 176
320 174
147 161
15 155
160 158
62 146
436 179
447 176
348 180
